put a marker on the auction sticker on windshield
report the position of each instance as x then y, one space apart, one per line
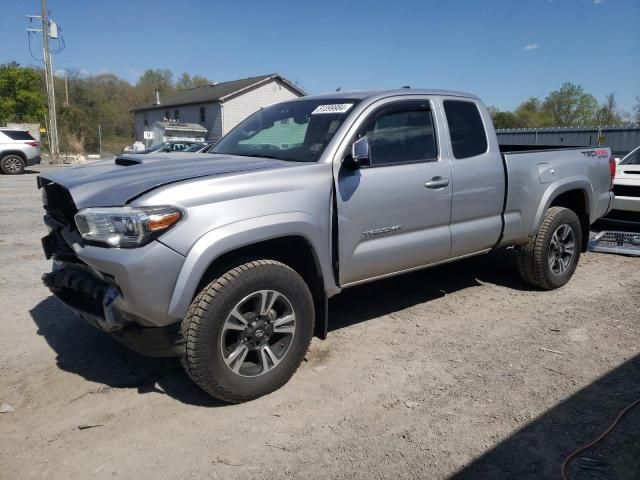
334 108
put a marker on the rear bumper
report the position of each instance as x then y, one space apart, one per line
94 300
34 160
629 204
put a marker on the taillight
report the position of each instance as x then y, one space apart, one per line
612 170
33 144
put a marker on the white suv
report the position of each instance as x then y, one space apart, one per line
18 149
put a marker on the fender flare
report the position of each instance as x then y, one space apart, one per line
558 188
232 236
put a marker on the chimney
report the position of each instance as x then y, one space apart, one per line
157 90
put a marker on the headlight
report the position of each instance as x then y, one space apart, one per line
125 227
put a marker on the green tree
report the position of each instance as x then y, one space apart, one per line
608 113
21 96
532 114
636 109
571 106
160 78
187 81
505 120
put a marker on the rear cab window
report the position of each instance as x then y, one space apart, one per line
468 136
18 135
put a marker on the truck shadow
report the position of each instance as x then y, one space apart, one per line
362 303
92 354
538 450
88 352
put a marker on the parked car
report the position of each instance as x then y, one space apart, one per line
200 147
625 215
228 260
18 150
626 186
168 147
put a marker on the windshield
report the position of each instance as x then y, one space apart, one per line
156 147
632 159
195 148
295 131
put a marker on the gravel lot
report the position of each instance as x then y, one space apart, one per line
437 374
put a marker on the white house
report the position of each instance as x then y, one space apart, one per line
218 107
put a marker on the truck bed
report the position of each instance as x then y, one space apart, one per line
538 173
506 148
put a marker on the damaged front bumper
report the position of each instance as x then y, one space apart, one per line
94 300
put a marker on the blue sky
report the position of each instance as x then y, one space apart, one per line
472 45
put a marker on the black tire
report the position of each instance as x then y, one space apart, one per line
12 164
534 258
203 332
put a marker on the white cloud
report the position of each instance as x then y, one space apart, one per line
598 2
60 73
532 46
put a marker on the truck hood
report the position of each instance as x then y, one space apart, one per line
117 181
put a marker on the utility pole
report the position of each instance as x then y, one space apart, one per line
48 68
48 77
66 90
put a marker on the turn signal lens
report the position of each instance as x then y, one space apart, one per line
162 221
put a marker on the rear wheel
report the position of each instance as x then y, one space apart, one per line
247 332
12 164
549 260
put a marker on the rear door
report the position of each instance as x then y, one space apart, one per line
479 178
393 214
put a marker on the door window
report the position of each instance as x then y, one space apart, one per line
401 133
468 137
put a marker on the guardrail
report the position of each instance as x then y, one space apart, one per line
620 138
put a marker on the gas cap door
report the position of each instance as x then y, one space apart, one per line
546 173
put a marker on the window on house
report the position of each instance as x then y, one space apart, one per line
146 121
176 115
167 115
203 117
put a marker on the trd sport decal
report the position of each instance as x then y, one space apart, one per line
600 153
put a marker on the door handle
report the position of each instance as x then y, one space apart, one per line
437 182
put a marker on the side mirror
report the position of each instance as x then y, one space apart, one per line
618 160
359 154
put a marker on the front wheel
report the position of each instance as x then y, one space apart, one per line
247 332
550 258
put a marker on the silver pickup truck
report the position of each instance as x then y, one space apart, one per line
227 260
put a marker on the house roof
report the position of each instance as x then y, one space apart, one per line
216 92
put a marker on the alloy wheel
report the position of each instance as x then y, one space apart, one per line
13 164
258 333
562 249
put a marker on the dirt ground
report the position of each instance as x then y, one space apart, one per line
456 372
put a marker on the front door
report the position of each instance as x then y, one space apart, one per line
394 213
